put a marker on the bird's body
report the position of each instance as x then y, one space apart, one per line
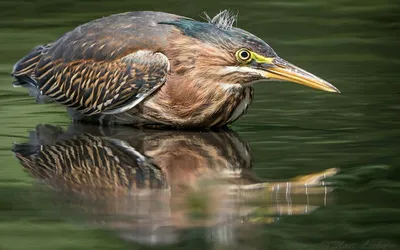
151 68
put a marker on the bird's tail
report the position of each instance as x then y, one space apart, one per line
24 71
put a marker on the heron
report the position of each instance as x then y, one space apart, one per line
156 69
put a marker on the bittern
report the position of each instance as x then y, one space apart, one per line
153 68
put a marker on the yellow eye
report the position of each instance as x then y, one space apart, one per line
243 55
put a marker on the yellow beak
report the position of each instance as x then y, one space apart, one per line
281 70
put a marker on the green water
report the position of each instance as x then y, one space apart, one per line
290 130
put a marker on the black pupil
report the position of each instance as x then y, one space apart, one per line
244 54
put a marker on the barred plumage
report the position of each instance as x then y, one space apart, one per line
102 87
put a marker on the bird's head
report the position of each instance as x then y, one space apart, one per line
228 55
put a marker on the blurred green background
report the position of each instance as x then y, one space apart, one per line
291 130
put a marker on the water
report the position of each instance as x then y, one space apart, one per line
222 190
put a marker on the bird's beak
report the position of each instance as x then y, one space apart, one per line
281 70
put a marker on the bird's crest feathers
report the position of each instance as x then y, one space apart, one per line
224 19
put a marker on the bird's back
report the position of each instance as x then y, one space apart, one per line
111 37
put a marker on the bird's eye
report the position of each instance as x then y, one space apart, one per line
243 55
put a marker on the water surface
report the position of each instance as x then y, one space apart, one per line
289 131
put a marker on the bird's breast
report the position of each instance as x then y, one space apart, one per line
233 102
244 100
191 107
237 101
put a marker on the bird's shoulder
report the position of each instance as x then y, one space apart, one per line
114 37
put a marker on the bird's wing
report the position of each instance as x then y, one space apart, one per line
94 86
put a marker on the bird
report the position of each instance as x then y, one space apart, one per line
155 69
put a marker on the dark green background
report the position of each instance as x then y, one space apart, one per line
291 129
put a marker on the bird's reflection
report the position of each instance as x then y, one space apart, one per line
148 185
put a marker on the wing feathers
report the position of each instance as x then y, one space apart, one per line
105 87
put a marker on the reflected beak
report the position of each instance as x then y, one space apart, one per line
281 70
